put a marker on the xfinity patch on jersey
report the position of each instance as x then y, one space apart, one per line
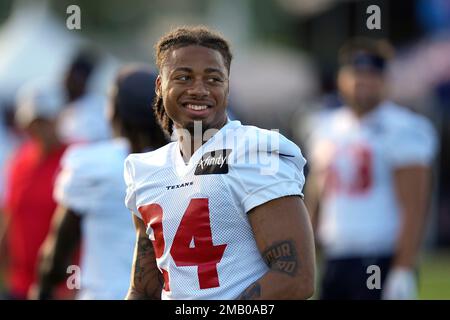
214 162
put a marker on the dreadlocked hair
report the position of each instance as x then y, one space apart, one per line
183 37
161 116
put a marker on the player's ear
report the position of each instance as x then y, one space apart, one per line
158 85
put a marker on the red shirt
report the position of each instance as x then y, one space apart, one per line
30 205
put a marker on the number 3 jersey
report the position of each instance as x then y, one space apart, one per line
355 160
196 213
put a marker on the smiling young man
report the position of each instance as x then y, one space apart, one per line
218 212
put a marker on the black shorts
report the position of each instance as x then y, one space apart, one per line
346 279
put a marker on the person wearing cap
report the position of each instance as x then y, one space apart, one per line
90 191
369 183
29 204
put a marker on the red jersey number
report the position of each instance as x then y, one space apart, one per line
192 244
361 159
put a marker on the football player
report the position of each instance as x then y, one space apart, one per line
83 118
90 192
370 173
218 212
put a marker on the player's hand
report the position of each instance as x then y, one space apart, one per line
36 293
33 292
400 284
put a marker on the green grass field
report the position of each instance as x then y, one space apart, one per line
434 279
434 275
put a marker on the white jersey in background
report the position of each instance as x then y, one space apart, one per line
355 159
84 120
91 183
8 143
196 213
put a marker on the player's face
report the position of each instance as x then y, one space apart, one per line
194 86
361 89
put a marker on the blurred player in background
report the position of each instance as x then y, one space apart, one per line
370 182
84 117
29 204
220 227
90 192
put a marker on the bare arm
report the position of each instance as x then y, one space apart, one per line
283 233
146 280
412 186
312 198
56 252
3 226
4 221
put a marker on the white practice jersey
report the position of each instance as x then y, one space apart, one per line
85 120
8 143
355 160
196 213
91 184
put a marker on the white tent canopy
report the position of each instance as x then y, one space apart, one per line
33 44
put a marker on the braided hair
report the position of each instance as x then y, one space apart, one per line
183 37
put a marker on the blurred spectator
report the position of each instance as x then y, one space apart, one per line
370 182
84 119
28 193
90 191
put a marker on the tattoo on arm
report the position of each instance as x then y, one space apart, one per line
282 257
147 279
143 250
251 293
